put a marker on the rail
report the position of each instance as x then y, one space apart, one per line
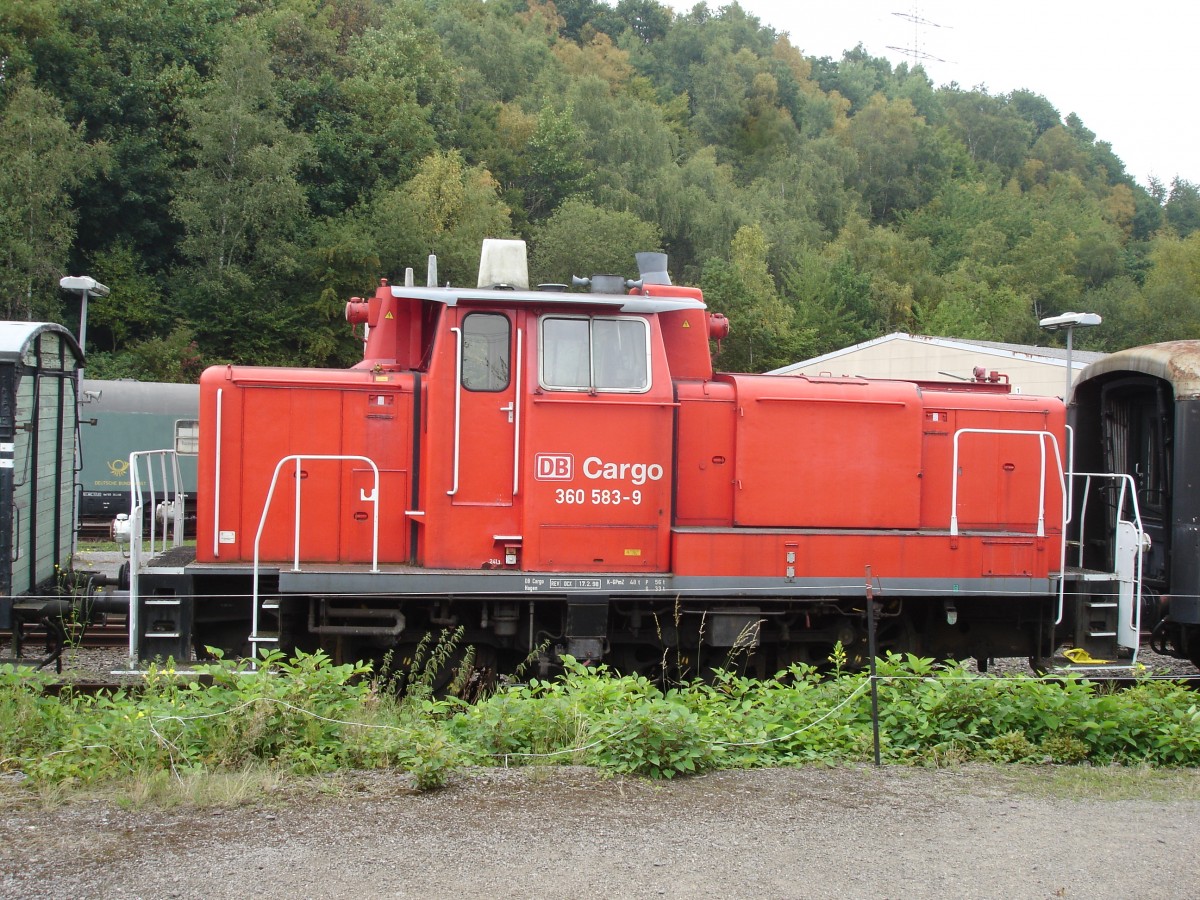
143 491
1042 437
372 498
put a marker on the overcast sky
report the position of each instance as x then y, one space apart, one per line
1130 71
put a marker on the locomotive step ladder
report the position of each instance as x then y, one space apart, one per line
264 638
159 620
1106 604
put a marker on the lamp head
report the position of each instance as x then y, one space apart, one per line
1070 320
83 283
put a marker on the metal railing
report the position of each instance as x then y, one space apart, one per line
372 498
1128 535
1042 437
143 492
1128 540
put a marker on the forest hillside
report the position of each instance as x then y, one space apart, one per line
235 170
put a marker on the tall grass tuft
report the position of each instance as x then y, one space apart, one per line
308 716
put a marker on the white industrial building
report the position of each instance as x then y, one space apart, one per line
1030 370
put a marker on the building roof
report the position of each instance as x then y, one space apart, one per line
1056 356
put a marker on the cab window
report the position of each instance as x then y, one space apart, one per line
604 354
485 362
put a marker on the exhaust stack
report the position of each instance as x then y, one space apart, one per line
653 268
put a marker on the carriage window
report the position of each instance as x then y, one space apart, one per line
485 363
187 437
601 354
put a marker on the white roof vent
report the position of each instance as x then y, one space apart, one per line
503 264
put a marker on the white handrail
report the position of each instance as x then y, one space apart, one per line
517 420
458 354
1128 489
217 476
1041 436
136 513
372 498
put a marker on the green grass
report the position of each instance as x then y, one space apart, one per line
307 716
98 546
1105 783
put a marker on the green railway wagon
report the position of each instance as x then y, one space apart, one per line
39 370
120 417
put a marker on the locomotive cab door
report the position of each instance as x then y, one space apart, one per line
487 410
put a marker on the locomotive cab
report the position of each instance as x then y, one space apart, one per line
546 417
545 440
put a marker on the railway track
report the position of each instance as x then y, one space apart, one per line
111 630
89 668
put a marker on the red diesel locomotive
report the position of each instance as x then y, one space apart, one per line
564 470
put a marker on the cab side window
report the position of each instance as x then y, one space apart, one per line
619 348
604 354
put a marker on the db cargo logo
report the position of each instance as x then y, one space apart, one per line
553 466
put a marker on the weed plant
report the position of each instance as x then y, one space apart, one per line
307 715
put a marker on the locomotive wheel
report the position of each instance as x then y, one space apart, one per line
1193 645
901 636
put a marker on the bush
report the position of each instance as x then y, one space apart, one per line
306 715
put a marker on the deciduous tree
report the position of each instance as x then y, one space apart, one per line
583 239
241 208
44 160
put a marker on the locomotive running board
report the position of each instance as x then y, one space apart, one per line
411 581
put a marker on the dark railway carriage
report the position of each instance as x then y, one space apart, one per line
564 470
1137 412
39 365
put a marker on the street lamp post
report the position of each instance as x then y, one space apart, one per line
1070 321
87 287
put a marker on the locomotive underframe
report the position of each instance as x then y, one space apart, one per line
634 623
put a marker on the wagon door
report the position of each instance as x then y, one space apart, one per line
468 461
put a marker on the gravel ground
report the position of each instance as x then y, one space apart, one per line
568 832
